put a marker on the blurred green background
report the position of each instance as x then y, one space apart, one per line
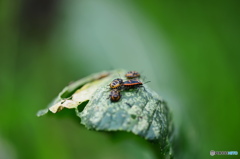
189 50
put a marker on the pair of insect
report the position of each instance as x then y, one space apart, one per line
118 84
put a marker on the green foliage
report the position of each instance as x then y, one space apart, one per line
188 50
140 111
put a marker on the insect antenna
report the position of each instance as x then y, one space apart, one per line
146 82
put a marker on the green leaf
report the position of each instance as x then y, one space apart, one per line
139 111
142 112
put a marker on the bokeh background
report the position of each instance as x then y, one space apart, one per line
189 50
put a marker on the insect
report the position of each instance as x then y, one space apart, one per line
116 83
131 84
115 95
132 74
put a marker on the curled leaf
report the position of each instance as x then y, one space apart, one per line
83 93
140 111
